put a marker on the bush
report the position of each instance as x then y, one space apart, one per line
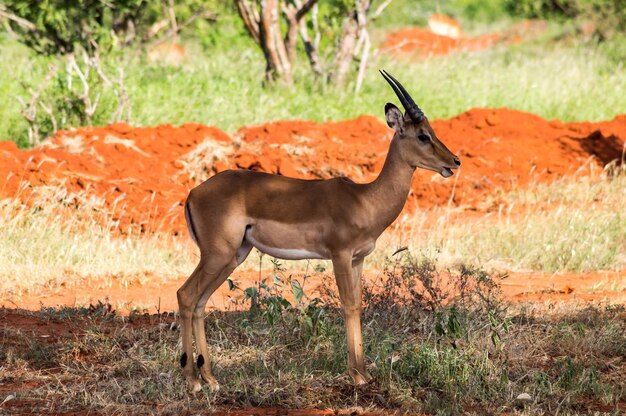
608 16
78 92
63 25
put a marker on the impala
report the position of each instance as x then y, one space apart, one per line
334 219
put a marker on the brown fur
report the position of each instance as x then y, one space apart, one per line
334 219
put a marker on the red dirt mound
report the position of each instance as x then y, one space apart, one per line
424 43
143 174
132 168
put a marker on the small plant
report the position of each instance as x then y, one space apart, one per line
416 282
271 301
456 304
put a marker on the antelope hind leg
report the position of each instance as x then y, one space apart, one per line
204 362
204 277
185 310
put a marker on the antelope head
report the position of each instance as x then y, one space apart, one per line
419 145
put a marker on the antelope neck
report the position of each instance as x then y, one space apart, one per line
389 191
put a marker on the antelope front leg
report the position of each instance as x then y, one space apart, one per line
348 276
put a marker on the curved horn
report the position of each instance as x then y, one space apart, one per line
409 105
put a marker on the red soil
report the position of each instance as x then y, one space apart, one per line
424 43
144 174
153 294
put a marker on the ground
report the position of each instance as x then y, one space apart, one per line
498 291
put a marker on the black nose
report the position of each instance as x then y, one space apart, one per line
458 162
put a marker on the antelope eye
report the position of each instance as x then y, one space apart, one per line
424 138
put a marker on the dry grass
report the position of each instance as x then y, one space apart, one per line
435 352
60 238
576 224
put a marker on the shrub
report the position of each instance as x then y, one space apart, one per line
608 16
82 92
60 26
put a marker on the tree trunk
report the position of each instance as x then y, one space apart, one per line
312 47
292 31
353 26
345 51
278 45
261 19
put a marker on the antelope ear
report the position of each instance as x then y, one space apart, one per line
395 120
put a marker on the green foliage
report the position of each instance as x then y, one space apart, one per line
482 10
63 25
609 16
221 82
451 371
615 50
225 33
271 301
75 92
401 13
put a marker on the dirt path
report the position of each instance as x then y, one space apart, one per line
153 294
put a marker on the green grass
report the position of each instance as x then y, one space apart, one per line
562 83
222 86
475 16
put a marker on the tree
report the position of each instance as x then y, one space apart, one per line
354 36
264 20
59 26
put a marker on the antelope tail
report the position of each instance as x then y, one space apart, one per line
190 227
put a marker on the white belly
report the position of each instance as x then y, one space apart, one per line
284 253
286 241
295 241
